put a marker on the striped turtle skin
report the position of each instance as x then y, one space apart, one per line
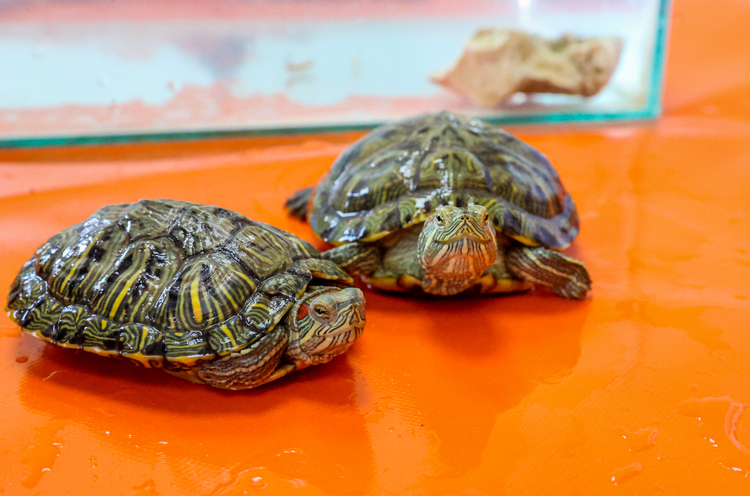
182 286
438 188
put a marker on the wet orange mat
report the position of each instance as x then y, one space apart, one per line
641 389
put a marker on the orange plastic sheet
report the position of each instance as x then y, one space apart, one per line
641 389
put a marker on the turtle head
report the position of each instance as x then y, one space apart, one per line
456 245
324 323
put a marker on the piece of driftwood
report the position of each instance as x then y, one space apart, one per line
497 63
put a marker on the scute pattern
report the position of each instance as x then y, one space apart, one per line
265 250
164 283
398 174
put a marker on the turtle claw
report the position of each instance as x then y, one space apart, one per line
297 203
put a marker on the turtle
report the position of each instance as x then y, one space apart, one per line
446 204
201 291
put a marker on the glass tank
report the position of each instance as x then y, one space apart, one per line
93 71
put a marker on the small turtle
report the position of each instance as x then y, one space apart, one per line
204 292
444 203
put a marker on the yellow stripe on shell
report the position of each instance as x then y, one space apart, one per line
122 294
195 299
228 333
73 270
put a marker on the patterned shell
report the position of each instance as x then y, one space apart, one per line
395 176
163 282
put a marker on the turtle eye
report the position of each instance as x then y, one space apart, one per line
321 311
486 217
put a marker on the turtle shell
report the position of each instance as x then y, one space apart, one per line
395 176
164 282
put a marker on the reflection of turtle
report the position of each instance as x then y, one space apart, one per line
446 203
204 292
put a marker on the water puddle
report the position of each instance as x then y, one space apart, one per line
718 419
639 440
377 411
148 488
40 456
626 473
246 481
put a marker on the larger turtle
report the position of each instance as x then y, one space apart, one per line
204 292
445 204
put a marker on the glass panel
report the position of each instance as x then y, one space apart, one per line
97 70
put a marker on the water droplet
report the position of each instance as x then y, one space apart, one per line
22 359
623 474
639 440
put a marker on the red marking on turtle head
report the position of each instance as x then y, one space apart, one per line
303 311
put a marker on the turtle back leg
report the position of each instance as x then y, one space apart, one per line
355 258
564 275
297 203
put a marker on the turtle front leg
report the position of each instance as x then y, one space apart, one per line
283 369
564 275
497 279
248 368
297 203
355 258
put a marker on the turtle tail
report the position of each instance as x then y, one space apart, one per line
297 203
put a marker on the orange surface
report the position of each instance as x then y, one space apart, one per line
641 389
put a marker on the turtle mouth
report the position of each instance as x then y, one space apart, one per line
469 237
333 348
465 256
466 247
358 330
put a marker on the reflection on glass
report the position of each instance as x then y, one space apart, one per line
95 68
